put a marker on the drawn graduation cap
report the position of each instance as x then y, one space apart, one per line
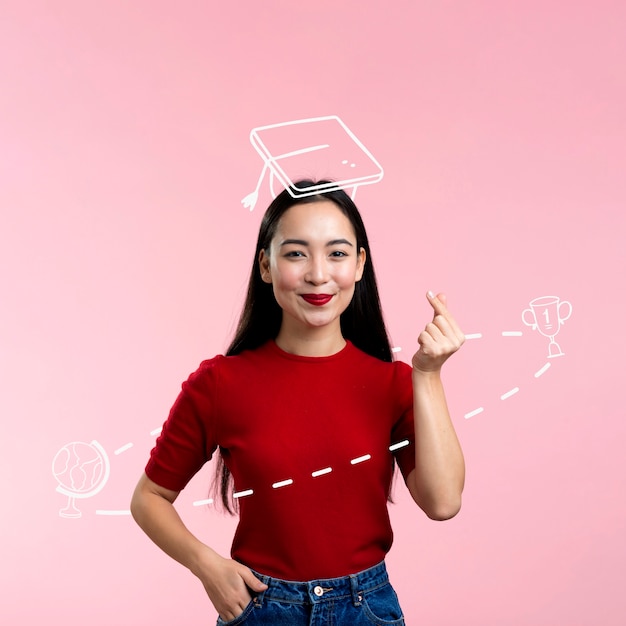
318 148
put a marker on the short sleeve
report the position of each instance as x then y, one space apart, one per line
187 439
404 427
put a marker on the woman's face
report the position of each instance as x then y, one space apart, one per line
313 264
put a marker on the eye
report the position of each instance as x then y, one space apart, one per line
338 254
293 254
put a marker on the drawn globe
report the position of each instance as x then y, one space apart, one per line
82 470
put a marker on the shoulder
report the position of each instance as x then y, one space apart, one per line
365 358
396 371
207 368
214 378
227 365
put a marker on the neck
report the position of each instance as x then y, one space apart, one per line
314 342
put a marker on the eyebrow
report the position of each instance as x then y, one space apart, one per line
302 242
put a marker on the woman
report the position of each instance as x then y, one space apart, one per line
308 413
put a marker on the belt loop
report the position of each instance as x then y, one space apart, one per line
357 598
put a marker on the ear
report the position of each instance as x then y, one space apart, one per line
264 264
360 264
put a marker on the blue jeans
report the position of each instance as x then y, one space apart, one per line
360 599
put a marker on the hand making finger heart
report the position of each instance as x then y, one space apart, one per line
440 339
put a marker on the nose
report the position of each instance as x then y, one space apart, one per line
317 272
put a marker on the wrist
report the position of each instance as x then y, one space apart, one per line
434 374
202 561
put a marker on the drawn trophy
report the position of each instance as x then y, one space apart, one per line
547 314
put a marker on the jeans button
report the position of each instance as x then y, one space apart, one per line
318 591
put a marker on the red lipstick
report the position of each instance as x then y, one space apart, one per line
317 299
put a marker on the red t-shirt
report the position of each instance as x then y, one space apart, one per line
307 440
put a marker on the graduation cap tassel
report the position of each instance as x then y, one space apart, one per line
249 202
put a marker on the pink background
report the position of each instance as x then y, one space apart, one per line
124 155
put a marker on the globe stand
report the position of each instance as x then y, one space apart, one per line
71 510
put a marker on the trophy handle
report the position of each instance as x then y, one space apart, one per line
529 321
568 306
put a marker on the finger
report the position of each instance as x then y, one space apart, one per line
427 345
434 330
237 608
440 307
444 332
438 302
435 343
252 581
445 326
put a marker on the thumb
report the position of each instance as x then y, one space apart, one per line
439 302
252 582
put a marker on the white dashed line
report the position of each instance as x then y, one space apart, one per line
400 444
543 370
508 394
360 459
282 483
326 470
123 449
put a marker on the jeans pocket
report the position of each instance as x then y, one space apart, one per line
381 607
240 619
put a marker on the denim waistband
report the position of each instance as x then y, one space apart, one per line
324 589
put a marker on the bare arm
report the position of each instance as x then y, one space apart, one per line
437 482
225 581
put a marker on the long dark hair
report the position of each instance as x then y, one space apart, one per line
362 322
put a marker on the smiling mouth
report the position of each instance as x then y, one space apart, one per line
317 299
